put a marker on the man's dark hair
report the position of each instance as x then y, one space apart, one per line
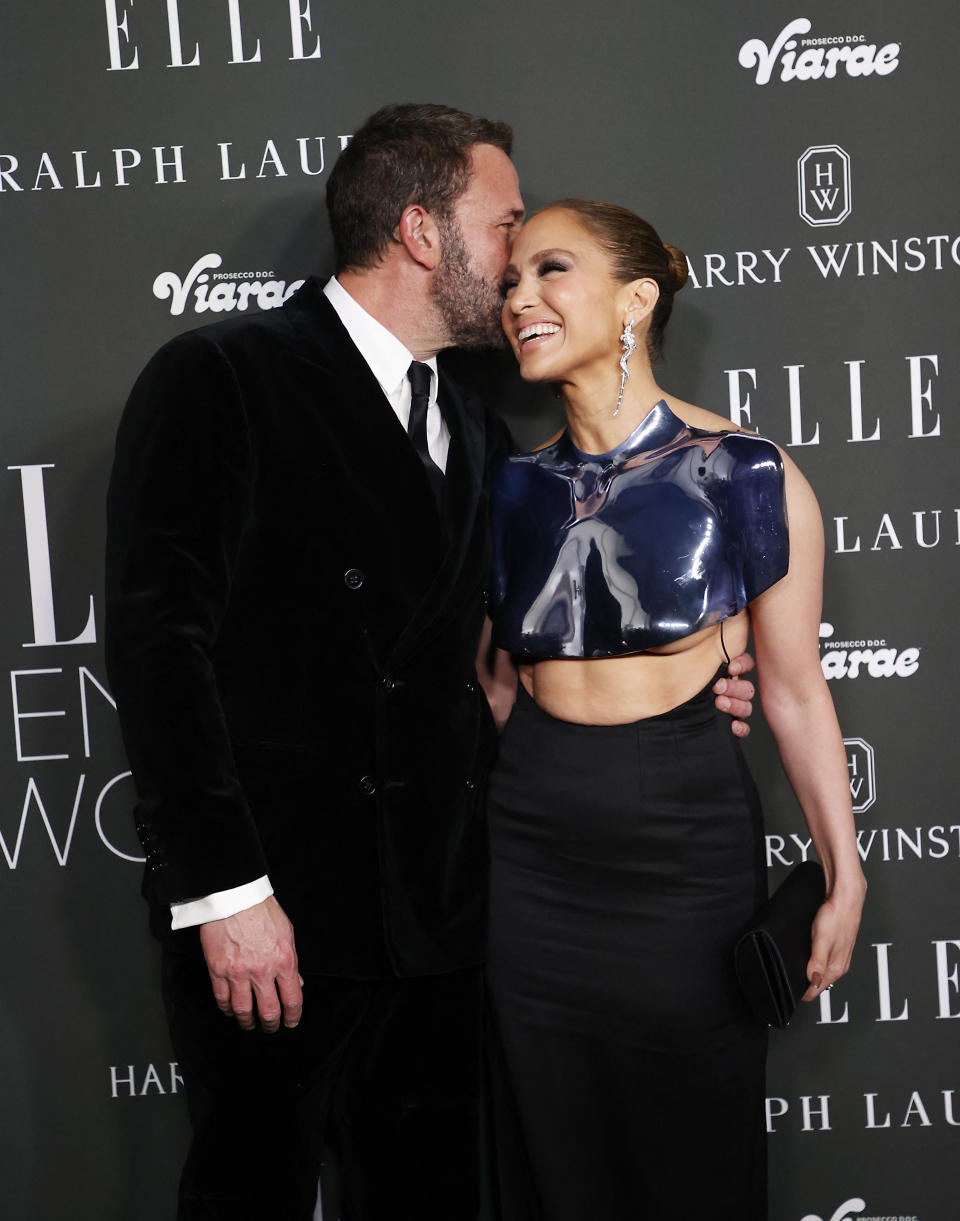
404 154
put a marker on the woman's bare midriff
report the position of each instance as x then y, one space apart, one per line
617 690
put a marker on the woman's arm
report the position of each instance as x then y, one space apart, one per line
800 712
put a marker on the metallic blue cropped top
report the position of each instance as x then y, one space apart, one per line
599 555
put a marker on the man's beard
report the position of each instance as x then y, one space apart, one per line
469 306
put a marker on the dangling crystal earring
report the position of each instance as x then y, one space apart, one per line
628 343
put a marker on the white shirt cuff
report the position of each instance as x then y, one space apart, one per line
220 905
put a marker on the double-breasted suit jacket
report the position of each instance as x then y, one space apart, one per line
291 633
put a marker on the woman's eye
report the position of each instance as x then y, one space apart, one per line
546 268
507 286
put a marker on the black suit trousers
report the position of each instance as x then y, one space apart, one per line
385 1073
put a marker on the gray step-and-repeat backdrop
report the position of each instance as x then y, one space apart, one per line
162 164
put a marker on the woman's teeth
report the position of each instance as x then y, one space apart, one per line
537 329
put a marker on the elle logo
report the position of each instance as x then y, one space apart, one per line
184 47
820 57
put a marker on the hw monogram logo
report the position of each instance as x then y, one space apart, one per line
846 1212
863 784
823 181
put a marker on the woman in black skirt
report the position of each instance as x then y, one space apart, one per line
630 555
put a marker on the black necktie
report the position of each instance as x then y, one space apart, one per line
419 375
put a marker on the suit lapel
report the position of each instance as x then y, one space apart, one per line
375 447
464 417
374 443
386 500
461 493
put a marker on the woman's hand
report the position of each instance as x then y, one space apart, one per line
834 933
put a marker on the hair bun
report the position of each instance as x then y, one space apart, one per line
678 265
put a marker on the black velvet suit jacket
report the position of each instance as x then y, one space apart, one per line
291 633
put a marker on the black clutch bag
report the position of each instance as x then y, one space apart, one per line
772 953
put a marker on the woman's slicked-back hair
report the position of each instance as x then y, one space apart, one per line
404 154
636 253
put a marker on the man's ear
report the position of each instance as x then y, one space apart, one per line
417 232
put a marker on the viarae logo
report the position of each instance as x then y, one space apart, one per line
846 1212
809 59
854 658
229 290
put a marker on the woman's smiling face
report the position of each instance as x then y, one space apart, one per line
563 311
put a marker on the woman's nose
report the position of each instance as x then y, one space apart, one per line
522 297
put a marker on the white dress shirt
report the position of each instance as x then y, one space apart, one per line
389 361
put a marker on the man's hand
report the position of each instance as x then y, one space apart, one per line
734 694
253 966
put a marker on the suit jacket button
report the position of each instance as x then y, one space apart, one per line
389 684
368 786
353 578
470 786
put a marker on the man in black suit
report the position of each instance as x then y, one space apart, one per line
296 561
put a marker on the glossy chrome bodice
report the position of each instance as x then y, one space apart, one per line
598 555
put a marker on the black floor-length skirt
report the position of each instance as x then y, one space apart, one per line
625 860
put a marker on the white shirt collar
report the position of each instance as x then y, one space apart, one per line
388 358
